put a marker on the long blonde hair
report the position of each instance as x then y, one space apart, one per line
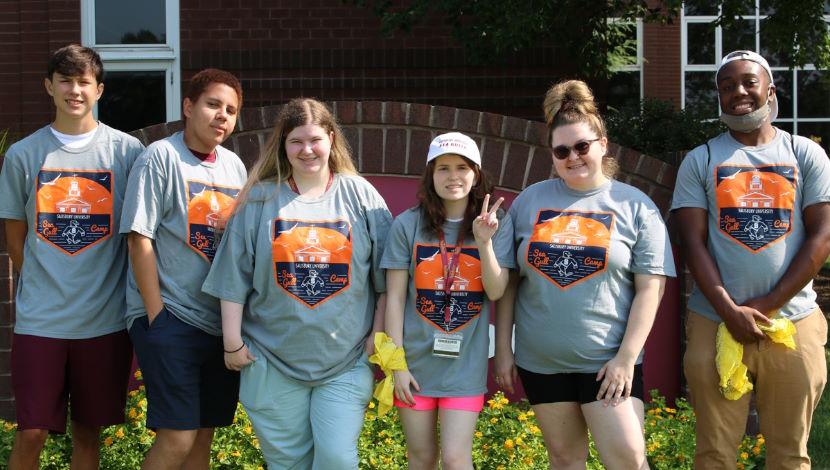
572 102
273 164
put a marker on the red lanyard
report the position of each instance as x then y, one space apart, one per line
294 187
450 269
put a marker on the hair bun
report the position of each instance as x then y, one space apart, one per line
572 95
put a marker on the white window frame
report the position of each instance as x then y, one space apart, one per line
712 68
142 57
638 66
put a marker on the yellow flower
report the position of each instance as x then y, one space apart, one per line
255 442
133 393
247 430
371 405
761 440
119 433
744 455
535 429
9 426
671 410
504 401
520 442
137 374
108 441
151 433
236 453
493 421
756 450
479 434
220 456
132 414
142 403
739 466
508 444
531 413
501 467
522 417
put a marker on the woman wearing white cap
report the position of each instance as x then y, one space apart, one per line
444 259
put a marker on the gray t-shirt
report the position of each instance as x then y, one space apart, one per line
577 254
74 270
755 197
307 271
410 247
181 203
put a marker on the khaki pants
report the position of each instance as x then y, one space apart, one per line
788 386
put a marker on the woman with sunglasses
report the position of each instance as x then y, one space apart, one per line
592 255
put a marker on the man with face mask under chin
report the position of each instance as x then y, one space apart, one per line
754 174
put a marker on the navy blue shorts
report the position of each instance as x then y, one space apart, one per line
188 386
573 387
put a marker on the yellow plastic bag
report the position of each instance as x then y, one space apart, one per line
734 380
390 358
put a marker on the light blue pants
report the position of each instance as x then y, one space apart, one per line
306 427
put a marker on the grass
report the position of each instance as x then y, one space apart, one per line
819 444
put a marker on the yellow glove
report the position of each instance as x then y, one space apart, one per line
734 381
390 358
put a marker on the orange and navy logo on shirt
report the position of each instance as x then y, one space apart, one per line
755 204
74 208
570 246
312 258
466 293
208 209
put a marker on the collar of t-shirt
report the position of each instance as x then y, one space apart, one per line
74 141
205 157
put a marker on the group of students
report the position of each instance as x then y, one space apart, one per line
273 287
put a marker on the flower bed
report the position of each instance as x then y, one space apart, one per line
507 437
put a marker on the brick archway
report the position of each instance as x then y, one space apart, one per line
391 138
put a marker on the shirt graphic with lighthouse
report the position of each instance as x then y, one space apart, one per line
312 258
208 209
570 246
466 297
74 208
755 204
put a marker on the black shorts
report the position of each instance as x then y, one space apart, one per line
188 386
570 387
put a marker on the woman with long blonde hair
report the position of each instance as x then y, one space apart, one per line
298 275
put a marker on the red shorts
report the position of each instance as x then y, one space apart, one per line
48 372
474 403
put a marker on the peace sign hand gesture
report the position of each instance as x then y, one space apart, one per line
486 224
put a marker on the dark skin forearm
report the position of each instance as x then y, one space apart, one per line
740 320
805 264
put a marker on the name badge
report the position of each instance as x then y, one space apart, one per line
447 345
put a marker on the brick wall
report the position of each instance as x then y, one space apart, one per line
391 138
29 30
661 67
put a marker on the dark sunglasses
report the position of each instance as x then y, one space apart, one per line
562 152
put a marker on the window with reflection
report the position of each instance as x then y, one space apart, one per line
130 22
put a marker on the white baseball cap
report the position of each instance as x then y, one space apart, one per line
758 59
455 143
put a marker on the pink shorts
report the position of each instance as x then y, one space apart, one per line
474 403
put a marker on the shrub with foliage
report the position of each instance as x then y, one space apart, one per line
507 437
655 127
